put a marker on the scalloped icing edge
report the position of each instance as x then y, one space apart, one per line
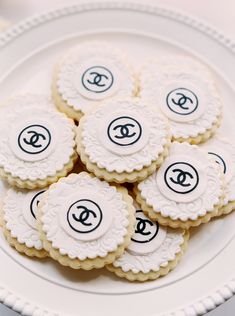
31 185
225 290
201 138
152 275
167 221
227 209
69 110
22 248
124 176
98 262
61 104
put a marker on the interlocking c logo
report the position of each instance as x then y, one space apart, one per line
181 177
84 216
34 139
182 101
124 131
145 230
97 79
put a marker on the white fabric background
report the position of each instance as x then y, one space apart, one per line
220 14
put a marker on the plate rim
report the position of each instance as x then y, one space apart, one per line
222 293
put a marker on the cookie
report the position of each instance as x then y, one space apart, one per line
19 221
187 190
37 145
123 140
89 74
153 252
222 150
3 189
184 90
84 222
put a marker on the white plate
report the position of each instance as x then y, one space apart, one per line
205 277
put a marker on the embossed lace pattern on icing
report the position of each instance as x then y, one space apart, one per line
155 260
88 51
180 210
157 137
70 246
215 145
156 77
15 221
38 169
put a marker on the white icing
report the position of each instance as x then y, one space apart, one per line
139 150
90 63
114 209
14 162
152 255
33 140
110 129
182 103
159 78
78 207
222 151
184 208
148 236
100 71
182 169
18 207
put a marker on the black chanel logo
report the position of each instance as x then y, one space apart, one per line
181 177
145 230
124 131
34 139
34 203
84 216
182 101
97 79
219 160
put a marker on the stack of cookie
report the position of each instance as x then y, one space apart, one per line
118 166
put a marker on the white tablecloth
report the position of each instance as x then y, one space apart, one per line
220 14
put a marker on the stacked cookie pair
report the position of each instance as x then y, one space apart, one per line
115 180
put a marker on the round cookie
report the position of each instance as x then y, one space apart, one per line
36 146
153 252
19 221
187 190
222 151
89 74
84 222
123 140
184 90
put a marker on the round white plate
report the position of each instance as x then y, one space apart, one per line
205 277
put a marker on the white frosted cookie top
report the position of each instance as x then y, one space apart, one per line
222 151
92 72
30 100
152 246
185 92
34 142
124 135
186 186
20 213
84 217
